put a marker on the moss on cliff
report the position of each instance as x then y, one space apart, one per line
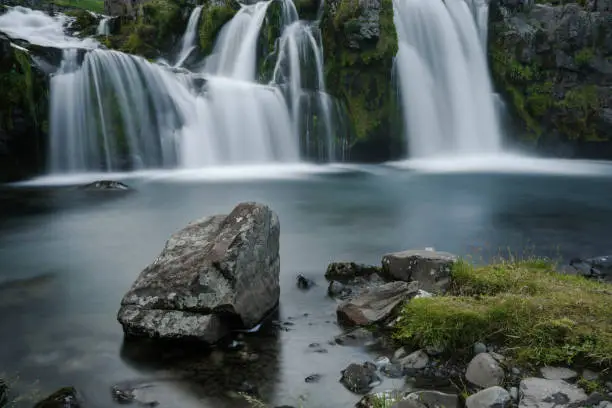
360 76
214 16
550 83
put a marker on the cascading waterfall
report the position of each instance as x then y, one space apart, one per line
446 94
112 111
188 41
300 54
103 27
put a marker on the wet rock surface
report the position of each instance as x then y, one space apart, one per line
216 274
346 271
63 398
595 268
493 397
106 185
359 378
430 268
376 304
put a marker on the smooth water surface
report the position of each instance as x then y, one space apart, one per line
67 257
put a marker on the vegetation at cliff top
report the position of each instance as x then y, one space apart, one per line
536 314
97 6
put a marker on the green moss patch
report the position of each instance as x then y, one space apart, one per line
538 315
214 16
97 6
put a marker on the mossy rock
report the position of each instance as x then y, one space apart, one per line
358 73
214 16
536 314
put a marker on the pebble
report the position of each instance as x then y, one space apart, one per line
480 348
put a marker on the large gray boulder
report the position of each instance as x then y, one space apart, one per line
542 393
484 371
430 268
216 274
493 397
377 304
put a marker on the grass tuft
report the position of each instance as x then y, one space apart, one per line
537 314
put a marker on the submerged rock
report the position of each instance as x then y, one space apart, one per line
359 378
304 283
343 271
63 398
484 371
542 393
377 304
357 337
494 397
430 268
105 185
216 274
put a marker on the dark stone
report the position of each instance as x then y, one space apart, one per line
596 268
337 289
105 185
63 398
359 378
217 274
122 395
4 390
313 378
344 271
430 268
393 370
357 337
376 305
304 283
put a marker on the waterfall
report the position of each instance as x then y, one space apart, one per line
300 55
111 111
188 41
103 27
446 94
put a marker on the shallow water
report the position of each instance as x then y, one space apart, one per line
68 256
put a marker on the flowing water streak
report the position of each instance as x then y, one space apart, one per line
103 27
188 41
446 93
300 52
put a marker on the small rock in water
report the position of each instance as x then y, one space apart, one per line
417 360
493 397
122 395
337 289
393 370
63 398
484 371
344 271
357 337
543 393
313 378
304 283
480 348
382 362
399 354
105 185
359 378
558 373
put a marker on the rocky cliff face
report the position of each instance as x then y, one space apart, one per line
553 63
23 112
360 43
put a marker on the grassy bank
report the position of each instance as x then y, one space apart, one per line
97 6
536 314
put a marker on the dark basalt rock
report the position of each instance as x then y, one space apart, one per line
359 378
597 268
63 398
344 271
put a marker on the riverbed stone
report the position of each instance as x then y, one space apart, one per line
435 399
543 393
429 267
558 373
376 304
480 348
493 397
417 360
63 398
217 274
359 378
484 371
356 337
101 185
344 271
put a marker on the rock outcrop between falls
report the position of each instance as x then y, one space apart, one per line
552 61
217 274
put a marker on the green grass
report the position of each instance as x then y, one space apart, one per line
97 6
536 314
